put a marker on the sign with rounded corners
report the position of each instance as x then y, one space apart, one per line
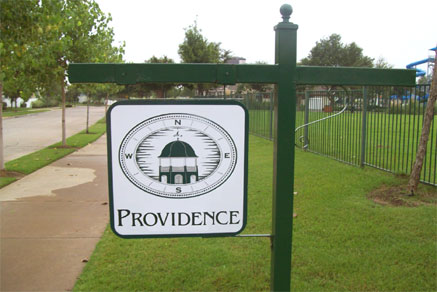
177 167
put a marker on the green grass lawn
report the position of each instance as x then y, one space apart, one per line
341 240
4 181
12 112
36 160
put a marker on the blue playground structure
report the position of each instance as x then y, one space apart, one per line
420 72
422 98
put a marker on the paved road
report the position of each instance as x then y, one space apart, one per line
25 134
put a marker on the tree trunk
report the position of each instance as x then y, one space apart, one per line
420 155
106 102
64 140
2 161
160 92
87 114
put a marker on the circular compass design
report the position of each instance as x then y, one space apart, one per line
177 155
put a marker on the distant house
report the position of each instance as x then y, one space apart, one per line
82 98
236 61
20 101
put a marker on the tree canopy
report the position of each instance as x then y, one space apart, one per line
74 31
331 51
381 63
19 35
197 49
40 38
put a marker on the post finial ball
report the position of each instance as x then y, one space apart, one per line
286 11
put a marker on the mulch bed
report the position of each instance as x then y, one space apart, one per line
6 173
399 196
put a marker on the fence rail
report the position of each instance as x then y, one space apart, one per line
373 126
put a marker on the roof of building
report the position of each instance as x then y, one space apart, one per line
177 149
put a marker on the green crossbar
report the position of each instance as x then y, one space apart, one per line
189 73
309 75
232 74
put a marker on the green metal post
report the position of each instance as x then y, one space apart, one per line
271 116
364 128
283 167
306 119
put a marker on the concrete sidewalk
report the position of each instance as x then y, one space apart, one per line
51 220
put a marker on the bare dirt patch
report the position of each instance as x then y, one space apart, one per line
398 196
15 174
63 147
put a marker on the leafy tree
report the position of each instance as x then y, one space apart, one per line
197 49
112 55
332 52
133 90
98 92
74 31
381 63
73 93
423 80
109 54
90 91
51 94
104 91
18 33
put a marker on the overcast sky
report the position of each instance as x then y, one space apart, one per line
400 31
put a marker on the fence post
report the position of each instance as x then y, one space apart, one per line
283 159
364 128
306 119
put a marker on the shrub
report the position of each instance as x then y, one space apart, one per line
37 104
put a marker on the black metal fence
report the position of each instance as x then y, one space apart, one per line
373 126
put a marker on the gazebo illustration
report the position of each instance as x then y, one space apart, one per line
178 163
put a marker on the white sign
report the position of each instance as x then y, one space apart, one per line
177 168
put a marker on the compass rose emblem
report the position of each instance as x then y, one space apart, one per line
177 155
